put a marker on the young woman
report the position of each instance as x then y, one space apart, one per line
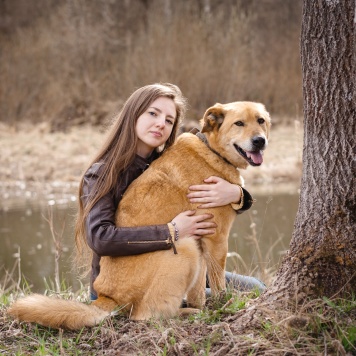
144 129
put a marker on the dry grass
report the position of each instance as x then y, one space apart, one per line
320 327
34 159
61 58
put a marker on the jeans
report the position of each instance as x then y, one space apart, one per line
240 283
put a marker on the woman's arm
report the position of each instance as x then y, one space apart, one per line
219 192
106 239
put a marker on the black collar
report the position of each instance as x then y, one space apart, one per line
203 138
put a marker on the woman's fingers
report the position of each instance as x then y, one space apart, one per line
208 186
200 191
201 197
200 187
207 205
213 179
204 216
216 192
189 212
206 225
202 232
189 224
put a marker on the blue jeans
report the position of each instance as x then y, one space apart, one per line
237 281
240 283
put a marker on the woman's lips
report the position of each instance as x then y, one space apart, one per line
156 134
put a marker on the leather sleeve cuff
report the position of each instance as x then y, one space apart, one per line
248 201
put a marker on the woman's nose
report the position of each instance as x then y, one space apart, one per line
161 122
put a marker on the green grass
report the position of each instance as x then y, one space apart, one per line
322 326
226 303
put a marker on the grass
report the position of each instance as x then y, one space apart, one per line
319 327
227 303
72 63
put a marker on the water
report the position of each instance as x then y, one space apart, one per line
258 238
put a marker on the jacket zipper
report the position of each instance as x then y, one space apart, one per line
168 241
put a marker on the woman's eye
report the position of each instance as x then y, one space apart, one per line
239 123
169 121
152 113
261 121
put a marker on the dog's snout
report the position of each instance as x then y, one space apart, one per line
259 142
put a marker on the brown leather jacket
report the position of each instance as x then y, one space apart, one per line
106 239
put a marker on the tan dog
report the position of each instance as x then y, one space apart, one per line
154 284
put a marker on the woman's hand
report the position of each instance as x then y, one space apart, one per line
195 226
217 192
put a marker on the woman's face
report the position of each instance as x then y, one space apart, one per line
155 125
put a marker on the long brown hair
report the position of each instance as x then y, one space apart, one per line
119 150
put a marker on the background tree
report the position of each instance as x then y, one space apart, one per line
322 256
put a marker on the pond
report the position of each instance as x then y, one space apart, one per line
257 241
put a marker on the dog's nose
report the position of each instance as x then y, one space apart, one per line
258 142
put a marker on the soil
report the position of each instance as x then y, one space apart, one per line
33 159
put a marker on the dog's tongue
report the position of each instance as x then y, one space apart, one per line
255 156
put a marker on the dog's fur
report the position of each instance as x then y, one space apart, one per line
154 284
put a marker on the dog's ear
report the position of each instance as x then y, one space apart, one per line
213 118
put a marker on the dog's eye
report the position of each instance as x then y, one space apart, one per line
261 121
239 123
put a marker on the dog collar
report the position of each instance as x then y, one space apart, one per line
203 138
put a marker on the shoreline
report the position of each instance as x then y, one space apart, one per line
38 164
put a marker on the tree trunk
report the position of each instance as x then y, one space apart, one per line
322 256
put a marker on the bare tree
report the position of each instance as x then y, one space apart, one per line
322 256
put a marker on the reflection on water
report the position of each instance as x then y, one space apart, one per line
24 228
261 236
25 232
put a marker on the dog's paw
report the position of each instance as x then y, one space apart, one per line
183 312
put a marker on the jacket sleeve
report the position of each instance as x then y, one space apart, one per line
248 201
106 239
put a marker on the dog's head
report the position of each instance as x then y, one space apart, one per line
238 131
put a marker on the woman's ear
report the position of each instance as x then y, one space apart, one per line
213 118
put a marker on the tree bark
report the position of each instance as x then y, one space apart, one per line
322 256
